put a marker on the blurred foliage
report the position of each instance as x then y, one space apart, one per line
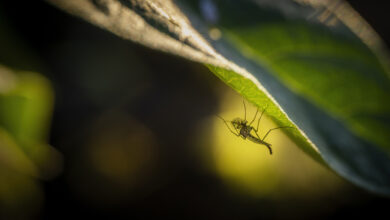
26 105
25 110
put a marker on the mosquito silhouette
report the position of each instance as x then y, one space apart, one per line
243 129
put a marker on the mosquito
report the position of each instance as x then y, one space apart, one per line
243 129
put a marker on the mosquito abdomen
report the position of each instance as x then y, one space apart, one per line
258 141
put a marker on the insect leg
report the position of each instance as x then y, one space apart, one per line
257 136
238 132
243 101
274 129
228 126
254 117
258 122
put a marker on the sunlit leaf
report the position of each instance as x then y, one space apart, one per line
332 86
323 76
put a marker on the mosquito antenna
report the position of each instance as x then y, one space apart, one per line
274 129
227 125
258 122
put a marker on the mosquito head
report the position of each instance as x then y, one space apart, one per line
239 123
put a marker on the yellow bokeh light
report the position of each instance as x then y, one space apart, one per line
123 150
248 168
244 164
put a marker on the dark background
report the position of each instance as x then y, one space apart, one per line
101 82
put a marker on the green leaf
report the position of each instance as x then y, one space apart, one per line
316 64
328 84
318 70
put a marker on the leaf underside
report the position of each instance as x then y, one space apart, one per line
315 75
327 82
